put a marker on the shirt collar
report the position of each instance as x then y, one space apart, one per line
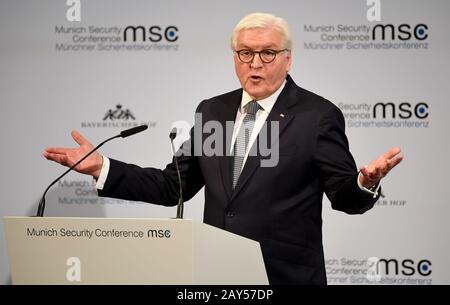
266 104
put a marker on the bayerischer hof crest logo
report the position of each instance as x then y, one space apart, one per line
118 117
119 114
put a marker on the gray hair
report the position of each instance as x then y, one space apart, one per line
263 20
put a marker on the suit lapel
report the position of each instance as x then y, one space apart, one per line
228 114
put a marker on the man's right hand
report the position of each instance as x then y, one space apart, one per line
69 156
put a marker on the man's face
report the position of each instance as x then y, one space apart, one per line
261 79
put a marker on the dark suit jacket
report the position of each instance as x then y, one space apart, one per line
278 206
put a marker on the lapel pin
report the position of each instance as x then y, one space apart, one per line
282 115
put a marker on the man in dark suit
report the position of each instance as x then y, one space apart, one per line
276 199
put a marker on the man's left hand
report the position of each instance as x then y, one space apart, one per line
380 167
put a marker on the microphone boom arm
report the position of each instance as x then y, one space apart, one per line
180 207
123 134
41 207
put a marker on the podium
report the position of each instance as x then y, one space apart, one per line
72 250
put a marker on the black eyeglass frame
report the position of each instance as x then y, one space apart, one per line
275 53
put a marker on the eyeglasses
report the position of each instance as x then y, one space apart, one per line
266 55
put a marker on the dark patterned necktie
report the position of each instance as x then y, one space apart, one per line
241 143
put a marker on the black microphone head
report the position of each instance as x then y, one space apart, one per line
173 133
132 131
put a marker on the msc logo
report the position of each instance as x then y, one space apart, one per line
402 32
406 267
154 34
402 110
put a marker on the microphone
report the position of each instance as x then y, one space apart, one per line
132 131
123 134
180 207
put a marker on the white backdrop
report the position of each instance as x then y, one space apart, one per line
56 76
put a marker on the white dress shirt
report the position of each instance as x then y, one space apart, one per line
261 116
